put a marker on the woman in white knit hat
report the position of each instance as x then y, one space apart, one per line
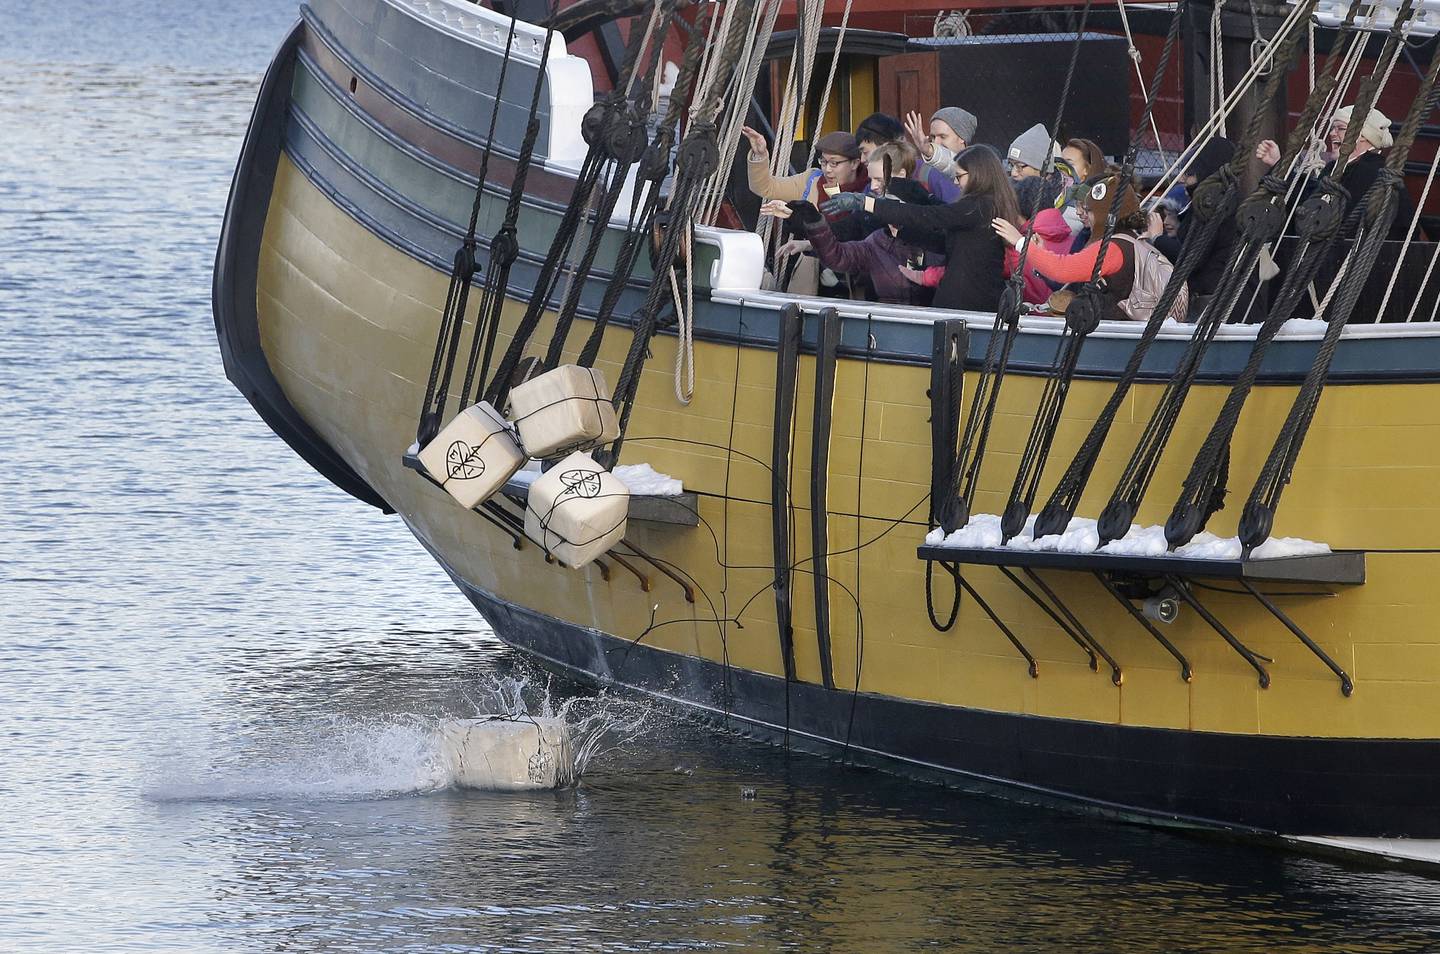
1365 162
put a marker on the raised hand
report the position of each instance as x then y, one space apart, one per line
919 135
759 148
779 208
1268 152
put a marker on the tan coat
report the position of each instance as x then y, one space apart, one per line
784 188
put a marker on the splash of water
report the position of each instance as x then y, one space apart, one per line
597 724
345 758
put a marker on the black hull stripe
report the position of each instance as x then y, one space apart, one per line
1254 784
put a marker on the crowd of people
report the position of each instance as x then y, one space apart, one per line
917 213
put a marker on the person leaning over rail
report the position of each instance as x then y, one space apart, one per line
974 277
1118 272
951 131
877 129
882 254
840 170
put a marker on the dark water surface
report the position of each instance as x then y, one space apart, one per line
218 675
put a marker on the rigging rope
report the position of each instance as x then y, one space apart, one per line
626 145
1260 219
1082 317
645 203
1319 223
1211 127
452 317
1004 331
504 248
1380 205
698 157
601 121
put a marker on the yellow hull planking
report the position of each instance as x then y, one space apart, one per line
348 326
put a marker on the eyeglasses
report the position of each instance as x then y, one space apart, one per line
835 163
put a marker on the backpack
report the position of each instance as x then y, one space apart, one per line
1152 274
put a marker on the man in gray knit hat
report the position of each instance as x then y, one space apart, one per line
951 130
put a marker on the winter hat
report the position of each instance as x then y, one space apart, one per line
1100 196
961 120
1032 147
1214 154
1376 128
838 143
1051 226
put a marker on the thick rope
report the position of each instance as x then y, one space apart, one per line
1006 327
627 147
1380 205
452 318
600 121
1320 224
1215 201
698 157
651 175
1081 318
504 248
1260 220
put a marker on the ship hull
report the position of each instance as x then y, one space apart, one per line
348 202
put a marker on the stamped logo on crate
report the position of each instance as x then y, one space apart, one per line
463 462
580 483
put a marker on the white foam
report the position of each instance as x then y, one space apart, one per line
346 759
643 480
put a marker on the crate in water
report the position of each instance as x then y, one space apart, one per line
473 455
576 510
564 410
508 754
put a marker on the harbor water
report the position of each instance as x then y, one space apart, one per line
220 677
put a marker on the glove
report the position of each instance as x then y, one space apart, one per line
844 202
805 215
909 190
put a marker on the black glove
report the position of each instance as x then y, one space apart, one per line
844 202
910 190
804 215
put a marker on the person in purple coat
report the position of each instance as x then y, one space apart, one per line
882 254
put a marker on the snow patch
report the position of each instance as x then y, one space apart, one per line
644 481
1081 536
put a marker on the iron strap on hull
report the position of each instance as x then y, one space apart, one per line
1248 783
